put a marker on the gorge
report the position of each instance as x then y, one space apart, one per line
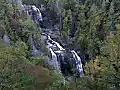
56 50
59 45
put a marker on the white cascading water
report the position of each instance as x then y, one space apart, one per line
78 62
38 13
55 45
54 61
51 45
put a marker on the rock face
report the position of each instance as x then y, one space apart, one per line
35 53
18 3
6 40
66 61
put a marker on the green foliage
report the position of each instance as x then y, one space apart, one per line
59 83
13 66
104 70
6 10
28 28
93 21
35 2
17 72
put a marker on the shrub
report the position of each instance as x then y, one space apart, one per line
16 72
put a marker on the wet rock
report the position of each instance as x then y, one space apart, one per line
34 51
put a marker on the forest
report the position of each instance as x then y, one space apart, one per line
59 44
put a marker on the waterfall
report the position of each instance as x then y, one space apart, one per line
35 13
57 44
61 60
78 62
54 60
